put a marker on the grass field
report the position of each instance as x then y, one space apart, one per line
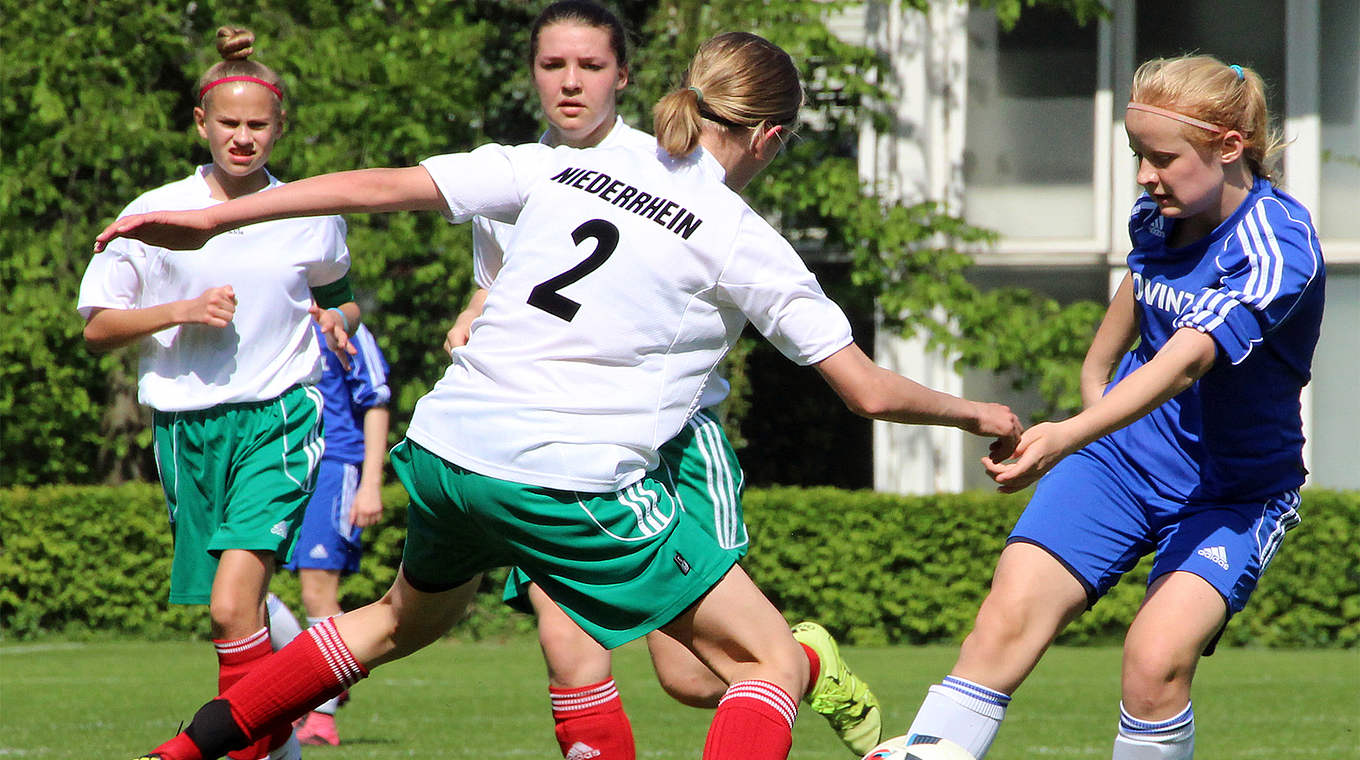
488 700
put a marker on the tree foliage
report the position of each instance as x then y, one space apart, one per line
98 109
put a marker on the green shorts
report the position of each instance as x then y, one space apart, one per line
708 482
620 564
236 476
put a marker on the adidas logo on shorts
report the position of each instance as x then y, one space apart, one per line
581 751
280 529
318 552
1215 554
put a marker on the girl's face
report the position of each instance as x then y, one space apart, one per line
1186 180
578 79
241 122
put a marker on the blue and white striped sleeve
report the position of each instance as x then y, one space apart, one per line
367 376
1266 265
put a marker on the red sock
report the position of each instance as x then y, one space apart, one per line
814 666
235 658
754 721
591 723
279 690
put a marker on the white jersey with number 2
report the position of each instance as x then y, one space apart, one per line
628 276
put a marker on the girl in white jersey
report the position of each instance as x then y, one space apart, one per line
538 446
228 360
579 59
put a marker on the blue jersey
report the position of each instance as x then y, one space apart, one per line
349 394
1255 285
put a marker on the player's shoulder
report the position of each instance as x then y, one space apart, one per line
185 193
1273 223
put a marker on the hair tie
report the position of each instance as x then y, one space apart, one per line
1238 70
271 87
698 93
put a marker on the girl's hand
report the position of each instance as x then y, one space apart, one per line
999 421
176 230
214 308
366 509
337 340
1040 449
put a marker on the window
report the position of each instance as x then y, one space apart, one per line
1339 85
1029 164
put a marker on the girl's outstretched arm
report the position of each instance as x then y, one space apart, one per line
363 190
872 391
1182 360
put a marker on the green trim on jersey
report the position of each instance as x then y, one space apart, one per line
236 476
620 564
708 484
333 294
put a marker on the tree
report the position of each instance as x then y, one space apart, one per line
98 109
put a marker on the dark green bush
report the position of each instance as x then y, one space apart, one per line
875 568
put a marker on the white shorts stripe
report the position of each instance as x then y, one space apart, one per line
721 484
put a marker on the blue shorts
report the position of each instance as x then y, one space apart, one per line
326 540
1099 516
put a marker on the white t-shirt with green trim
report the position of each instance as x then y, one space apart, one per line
268 347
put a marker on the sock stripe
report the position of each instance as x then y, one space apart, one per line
1131 725
766 692
572 700
976 691
344 667
236 646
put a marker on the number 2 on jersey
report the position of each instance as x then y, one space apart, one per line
545 296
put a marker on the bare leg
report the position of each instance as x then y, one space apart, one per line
573 658
745 641
403 621
683 675
1033 596
1179 616
237 602
320 591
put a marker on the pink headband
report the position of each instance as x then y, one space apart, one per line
1192 121
272 88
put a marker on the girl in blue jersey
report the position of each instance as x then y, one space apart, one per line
1190 445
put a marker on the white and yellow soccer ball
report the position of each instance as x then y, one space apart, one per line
918 747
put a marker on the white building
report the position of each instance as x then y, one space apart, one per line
1022 132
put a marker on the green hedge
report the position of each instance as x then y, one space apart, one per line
875 568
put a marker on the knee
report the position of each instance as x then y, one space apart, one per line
405 633
234 617
692 688
1155 681
315 601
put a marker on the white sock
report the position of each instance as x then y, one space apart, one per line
331 705
963 712
283 627
290 750
1170 739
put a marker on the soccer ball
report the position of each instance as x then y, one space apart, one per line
918 747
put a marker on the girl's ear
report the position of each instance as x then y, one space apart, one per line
768 142
1231 146
200 121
